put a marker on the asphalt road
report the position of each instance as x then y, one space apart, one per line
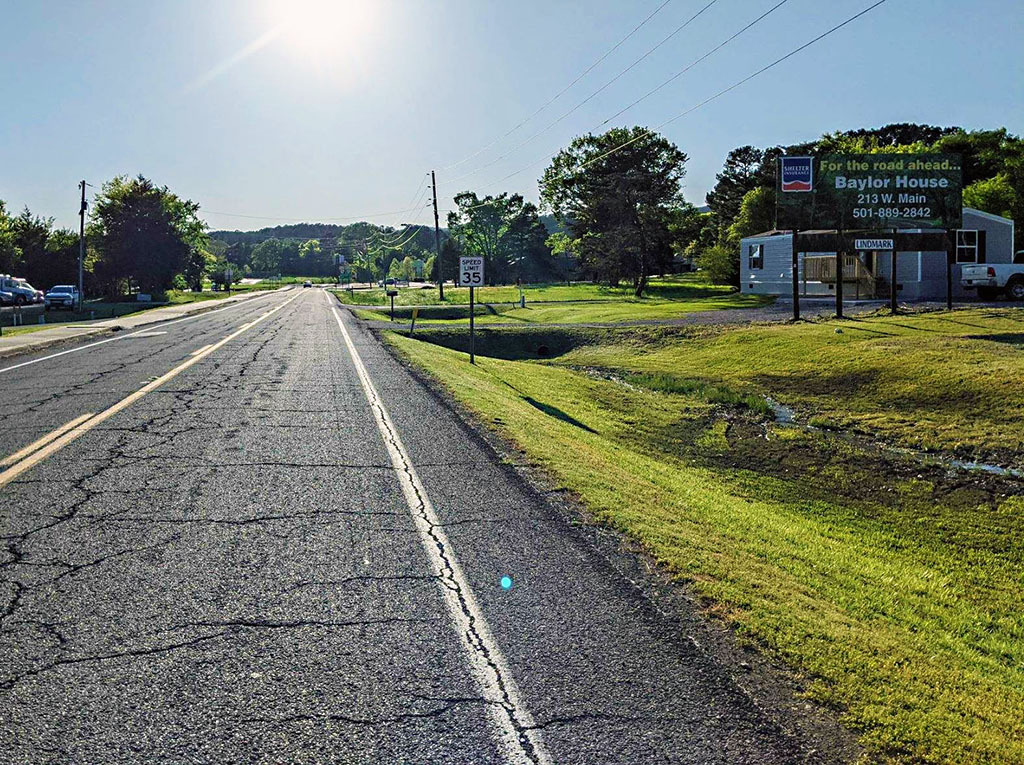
271 544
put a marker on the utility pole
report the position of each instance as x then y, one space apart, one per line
437 241
81 249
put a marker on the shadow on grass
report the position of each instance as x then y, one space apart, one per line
558 414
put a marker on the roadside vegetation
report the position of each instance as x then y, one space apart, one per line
667 297
891 581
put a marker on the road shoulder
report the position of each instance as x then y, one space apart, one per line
773 688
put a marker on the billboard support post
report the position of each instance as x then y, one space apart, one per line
950 256
840 262
796 277
894 306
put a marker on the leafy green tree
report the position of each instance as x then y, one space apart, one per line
266 257
756 215
10 254
616 193
506 231
994 195
144 234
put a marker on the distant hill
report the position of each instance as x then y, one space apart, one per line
299 231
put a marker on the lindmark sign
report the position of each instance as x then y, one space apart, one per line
874 244
797 174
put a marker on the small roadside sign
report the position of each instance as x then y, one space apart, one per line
471 272
874 244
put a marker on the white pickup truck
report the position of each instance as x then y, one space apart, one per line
994 278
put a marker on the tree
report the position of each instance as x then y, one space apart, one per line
757 214
144 234
746 169
10 255
615 193
506 231
993 195
266 257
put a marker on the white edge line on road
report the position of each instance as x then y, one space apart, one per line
133 334
518 737
34 459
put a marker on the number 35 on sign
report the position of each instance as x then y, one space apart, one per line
471 272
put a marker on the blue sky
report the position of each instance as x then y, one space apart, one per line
341 107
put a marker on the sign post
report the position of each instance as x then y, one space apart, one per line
471 274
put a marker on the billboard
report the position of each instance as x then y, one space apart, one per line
864 192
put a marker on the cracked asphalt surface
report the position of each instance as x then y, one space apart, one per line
228 571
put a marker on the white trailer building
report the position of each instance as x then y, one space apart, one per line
766 264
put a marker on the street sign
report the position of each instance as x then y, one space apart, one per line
874 244
858 192
471 272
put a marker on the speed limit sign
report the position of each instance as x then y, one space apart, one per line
471 272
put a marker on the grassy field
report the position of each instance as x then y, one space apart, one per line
936 381
678 287
668 298
894 585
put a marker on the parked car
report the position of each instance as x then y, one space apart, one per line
22 291
992 279
61 296
6 298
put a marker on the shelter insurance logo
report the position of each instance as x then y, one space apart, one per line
796 174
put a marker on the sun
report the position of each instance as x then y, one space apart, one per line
322 31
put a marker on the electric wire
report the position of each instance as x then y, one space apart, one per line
562 92
719 94
593 95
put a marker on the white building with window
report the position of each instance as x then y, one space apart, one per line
766 264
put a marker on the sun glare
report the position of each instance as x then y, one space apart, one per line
322 31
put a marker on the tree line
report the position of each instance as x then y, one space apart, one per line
614 201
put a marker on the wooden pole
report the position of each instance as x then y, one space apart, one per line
796 278
840 257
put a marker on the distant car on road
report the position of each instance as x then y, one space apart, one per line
61 296
22 291
307 283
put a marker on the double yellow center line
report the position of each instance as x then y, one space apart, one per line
52 442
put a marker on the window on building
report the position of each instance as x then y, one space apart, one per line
966 246
755 256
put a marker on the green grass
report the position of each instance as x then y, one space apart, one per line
715 394
937 381
678 287
895 587
598 312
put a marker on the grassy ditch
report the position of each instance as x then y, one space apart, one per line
895 586
934 381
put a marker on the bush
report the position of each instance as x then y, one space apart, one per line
721 264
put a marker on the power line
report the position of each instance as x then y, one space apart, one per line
690 66
586 100
706 101
401 245
562 92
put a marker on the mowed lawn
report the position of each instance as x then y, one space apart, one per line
896 589
676 287
937 381
667 298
